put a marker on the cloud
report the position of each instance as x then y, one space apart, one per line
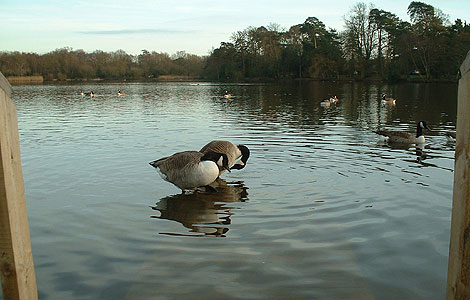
138 31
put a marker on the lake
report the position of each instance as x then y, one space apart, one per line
323 209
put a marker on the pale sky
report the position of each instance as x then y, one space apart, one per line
195 26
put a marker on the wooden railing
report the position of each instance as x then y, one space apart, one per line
458 278
16 259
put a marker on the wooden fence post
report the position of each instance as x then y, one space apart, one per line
16 259
458 276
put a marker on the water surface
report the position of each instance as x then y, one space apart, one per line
323 210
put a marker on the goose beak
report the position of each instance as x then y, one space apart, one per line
423 125
226 167
238 166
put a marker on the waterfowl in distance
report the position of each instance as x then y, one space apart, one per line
388 101
325 103
328 102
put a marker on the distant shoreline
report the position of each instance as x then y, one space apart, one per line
14 80
39 80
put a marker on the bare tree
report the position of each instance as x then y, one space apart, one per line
360 36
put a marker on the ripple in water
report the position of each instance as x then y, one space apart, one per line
322 210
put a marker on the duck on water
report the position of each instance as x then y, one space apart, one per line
388 101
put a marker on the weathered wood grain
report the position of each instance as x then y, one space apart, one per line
16 259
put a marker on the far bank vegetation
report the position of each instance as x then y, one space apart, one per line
375 45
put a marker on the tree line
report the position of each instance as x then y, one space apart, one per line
66 63
375 44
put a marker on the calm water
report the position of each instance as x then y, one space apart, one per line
322 210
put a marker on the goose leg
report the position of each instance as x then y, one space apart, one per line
211 188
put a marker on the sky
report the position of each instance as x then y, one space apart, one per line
194 26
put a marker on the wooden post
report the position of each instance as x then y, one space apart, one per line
458 276
16 259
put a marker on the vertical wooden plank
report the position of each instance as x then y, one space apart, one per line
16 260
458 276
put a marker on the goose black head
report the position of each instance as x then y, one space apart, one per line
245 155
220 159
423 125
419 128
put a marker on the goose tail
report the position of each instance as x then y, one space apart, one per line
382 135
155 162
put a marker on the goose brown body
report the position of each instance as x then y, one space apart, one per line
397 136
403 137
388 101
190 169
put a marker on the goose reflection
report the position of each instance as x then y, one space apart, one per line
203 213
422 155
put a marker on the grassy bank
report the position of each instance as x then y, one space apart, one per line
25 79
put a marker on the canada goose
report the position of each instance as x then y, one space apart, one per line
232 151
403 137
120 93
389 101
227 95
326 103
191 169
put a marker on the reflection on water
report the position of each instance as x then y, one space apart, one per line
424 152
203 212
332 212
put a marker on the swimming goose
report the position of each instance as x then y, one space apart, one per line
120 93
189 170
326 103
91 94
227 95
389 101
403 137
232 151
82 93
